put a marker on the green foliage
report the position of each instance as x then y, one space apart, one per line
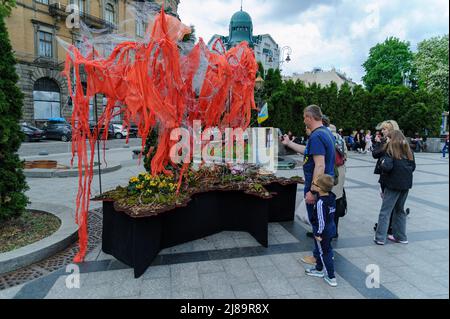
12 183
389 63
431 62
260 70
272 83
355 108
6 7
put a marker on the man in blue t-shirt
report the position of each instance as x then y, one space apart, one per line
319 154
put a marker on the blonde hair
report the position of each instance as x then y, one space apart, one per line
390 125
398 147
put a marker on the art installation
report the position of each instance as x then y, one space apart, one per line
160 86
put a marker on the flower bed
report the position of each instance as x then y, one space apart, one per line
149 215
148 195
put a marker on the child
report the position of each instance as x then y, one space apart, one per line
324 229
397 167
368 142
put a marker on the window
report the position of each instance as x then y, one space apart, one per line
46 99
45 44
42 1
81 6
109 13
141 27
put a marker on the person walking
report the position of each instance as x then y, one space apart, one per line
445 148
397 167
319 155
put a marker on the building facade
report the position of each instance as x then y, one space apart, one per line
322 78
266 49
34 27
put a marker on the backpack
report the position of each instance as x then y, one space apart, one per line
339 148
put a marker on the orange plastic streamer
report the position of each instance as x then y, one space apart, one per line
155 86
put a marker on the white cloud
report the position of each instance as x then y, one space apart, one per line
325 33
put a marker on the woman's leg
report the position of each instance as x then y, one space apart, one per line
336 222
389 201
399 218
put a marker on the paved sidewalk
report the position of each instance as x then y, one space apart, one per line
233 265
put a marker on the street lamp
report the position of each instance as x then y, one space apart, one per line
284 51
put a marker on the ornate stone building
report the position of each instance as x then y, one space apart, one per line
266 49
34 27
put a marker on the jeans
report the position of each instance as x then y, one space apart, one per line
444 149
310 210
393 203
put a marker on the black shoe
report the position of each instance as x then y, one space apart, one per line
310 235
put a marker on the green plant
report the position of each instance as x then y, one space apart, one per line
12 183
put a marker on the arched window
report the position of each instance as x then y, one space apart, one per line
109 13
46 99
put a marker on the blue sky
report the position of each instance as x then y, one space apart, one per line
325 33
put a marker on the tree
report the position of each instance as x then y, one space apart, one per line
6 7
261 71
431 62
389 63
12 183
272 83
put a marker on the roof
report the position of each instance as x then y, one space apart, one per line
241 16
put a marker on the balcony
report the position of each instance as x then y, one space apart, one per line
60 10
38 61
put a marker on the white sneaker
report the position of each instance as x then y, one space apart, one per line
392 238
331 281
313 272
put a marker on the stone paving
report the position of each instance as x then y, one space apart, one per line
232 265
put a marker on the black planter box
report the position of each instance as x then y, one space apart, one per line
137 241
282 206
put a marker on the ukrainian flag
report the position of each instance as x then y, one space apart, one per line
263 114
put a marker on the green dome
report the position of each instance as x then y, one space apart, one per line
241 16
241 29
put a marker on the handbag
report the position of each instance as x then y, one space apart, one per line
341 205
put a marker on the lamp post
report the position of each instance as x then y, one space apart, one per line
285 51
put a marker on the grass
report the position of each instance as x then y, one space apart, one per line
29 228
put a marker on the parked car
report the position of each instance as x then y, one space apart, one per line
58 131
119 131
92 125
31 133
133 131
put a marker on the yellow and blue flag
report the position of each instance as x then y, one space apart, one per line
263 114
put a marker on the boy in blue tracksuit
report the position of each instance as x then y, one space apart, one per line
324 229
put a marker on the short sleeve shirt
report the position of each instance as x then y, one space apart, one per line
321 142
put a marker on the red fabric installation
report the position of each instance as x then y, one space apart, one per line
156 87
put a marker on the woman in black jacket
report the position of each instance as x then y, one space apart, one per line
397 167
378 152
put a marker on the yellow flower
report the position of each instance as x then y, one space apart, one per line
134 179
